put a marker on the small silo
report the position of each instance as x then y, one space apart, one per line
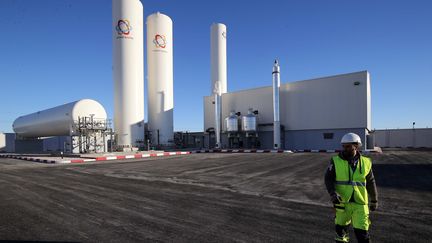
160 78
249 122
250 129
232 123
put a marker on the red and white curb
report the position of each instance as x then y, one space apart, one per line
272 151
138 156
241 151
331 151
104 158
123 157
317 151
28 158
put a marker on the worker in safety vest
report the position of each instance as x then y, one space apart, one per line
350 182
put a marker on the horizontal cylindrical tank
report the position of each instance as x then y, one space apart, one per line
231 122
160 78
249 122
58 121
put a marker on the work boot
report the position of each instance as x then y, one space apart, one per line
341 234
362 236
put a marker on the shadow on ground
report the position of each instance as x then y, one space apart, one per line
404 176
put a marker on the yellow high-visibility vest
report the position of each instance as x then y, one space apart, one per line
350 182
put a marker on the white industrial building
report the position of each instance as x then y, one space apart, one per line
304 115
314 114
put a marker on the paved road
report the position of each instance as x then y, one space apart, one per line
205 198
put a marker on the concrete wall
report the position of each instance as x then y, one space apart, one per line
314 139
404 138
57 144
29 146
7 142
308 108
2 142
296 140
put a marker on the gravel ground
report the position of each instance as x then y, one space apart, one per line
206 198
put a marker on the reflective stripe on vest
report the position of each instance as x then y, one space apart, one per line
352 183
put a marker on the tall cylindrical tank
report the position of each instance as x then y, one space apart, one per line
218 56
58 121
160 78
231 122
218 69
128 71
249 122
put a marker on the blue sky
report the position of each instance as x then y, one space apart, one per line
57 51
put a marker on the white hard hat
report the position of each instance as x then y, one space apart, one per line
351 138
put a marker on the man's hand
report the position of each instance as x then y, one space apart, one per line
336 198
373 206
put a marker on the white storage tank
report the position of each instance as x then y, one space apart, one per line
249 122
160 78
128 71
231 122
58 121
218 57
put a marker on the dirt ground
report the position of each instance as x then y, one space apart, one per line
206 198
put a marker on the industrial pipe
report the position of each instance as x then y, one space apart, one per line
276 119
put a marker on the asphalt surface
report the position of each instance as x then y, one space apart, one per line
206 198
